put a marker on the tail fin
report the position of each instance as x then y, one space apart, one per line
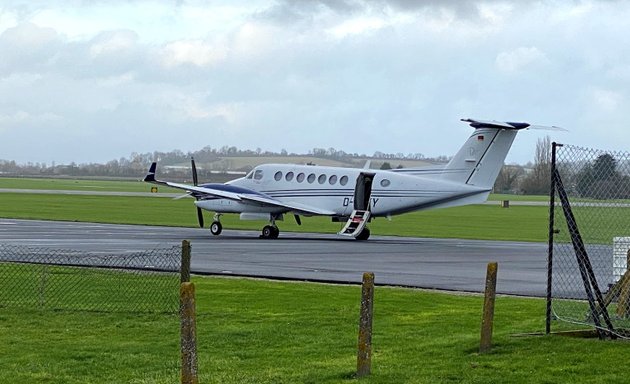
479 161
150 177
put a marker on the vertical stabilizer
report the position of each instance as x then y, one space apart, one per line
480 159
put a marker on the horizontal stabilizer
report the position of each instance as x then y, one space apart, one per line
509 125
495 124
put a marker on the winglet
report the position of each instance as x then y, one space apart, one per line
150 177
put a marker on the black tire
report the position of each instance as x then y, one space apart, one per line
364 235
267 232
216 228
276 232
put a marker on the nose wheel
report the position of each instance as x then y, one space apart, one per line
216 228
270 232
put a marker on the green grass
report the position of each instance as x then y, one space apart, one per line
503 196
253 331
472 222
76 184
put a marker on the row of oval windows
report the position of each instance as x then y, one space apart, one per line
343 180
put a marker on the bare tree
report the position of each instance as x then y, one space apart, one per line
538 180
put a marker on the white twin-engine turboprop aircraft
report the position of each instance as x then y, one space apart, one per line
356 195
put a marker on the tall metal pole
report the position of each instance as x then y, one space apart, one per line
552 203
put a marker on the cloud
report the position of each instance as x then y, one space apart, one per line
113 42
27 47
520 58
195 52
393 76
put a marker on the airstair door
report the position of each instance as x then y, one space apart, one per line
361 214
363 191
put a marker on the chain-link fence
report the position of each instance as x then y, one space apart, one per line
589 282
146 281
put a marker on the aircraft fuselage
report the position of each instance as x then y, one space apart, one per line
332 189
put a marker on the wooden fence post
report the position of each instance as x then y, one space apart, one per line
185 267
364 355
188 333
488 308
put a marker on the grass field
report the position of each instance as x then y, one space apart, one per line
79 185
472 222
253 331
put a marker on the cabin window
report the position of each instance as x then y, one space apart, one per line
311 178
289 176
321 179
300 177
258 174
278 176
385 183
332 180
343 180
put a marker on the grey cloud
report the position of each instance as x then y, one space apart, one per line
28 48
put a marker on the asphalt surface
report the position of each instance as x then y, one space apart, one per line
447 264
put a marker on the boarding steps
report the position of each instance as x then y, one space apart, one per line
355 224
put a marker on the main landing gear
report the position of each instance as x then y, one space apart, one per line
270 231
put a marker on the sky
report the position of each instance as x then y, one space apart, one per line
92 80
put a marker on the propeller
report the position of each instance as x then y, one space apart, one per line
195 182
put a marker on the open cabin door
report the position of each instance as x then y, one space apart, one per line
361 213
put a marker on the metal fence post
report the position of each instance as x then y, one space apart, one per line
188 334
488 308
185 267
364 355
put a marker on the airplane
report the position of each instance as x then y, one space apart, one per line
356 195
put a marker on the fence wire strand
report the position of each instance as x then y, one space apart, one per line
598 187
144 281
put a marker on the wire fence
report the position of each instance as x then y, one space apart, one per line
590 239
146 281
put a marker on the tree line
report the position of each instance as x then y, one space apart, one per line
136 164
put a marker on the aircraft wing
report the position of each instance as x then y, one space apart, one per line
240 194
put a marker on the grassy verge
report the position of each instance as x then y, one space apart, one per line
471 222
77 184
252 331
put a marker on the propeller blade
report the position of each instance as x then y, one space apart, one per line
182 196
200 217
194 171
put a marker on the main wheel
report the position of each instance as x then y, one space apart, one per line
364 235
270 232
267 232
216 228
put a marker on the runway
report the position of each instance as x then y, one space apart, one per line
446 264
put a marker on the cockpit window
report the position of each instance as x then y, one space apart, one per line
258 174
250 175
